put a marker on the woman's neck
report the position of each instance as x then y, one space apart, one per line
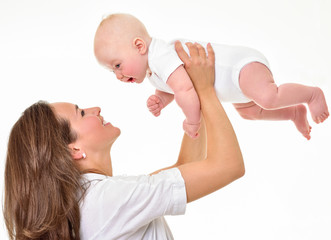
97 163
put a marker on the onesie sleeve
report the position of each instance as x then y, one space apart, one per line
127 203
163 59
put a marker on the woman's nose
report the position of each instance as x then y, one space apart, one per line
94 110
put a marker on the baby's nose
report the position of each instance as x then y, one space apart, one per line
119 75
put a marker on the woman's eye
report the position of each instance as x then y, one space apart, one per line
82 113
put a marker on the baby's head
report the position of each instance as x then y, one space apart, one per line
121 44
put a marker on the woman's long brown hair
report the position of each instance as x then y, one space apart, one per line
42 183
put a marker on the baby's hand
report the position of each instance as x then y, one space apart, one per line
154 105
191 129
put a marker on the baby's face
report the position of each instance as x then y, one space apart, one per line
123 59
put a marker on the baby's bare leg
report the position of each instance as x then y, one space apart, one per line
298 114
257 83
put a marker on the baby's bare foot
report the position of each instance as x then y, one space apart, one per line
318 107
301 122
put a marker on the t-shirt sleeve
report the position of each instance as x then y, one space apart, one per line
129 202
154 195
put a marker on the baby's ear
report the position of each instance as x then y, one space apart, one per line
140 44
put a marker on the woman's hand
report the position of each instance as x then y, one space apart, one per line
199 65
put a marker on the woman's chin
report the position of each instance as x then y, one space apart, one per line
117 133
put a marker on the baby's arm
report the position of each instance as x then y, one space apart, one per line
157 102
187 99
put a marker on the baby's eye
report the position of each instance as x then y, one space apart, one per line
117 65
82 113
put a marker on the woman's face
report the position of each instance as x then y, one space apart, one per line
93 132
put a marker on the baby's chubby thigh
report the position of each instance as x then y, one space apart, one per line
255 81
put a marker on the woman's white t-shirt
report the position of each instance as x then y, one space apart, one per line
131 207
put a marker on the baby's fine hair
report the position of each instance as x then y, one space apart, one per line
124 23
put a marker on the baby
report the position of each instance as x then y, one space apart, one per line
243 77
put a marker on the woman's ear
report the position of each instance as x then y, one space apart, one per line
140 44
76 152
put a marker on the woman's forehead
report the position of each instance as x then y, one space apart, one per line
64 109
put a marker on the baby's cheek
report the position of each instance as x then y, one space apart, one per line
135 68
132 70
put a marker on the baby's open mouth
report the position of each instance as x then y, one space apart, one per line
131 80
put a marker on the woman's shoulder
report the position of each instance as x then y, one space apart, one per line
111 187
94 179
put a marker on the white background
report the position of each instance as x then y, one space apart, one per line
46 52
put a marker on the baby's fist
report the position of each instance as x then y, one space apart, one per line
154 105
191 129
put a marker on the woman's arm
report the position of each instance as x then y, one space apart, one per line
191 150
223 163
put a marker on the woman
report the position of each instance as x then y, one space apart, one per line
58 177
